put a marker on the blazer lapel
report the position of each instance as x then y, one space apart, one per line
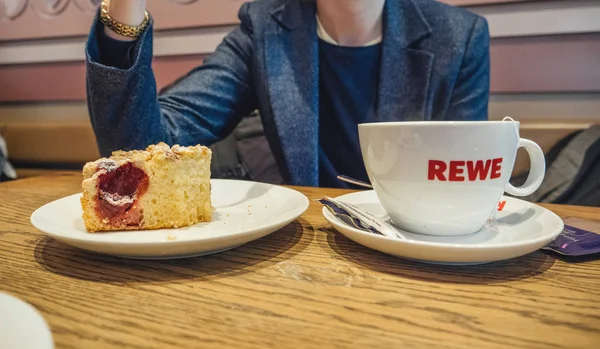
291 55
404 72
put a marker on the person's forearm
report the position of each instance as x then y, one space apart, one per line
200 108
128 12
122 101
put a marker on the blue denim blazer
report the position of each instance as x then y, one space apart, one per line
435 66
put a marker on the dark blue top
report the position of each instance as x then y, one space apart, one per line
114 53
348 85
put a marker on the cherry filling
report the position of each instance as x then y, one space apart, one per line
118 193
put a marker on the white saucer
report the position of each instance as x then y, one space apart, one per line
245 211
520 228
22 326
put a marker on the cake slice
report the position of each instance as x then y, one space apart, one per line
160 187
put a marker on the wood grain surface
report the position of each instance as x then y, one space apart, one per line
304 286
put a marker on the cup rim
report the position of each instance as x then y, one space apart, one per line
425 123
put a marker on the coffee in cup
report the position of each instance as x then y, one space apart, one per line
444 177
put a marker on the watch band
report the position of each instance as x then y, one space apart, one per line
121 28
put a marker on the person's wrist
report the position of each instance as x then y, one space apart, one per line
128 12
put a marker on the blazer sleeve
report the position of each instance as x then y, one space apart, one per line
470 96
203 107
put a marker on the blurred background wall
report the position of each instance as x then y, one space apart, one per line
545 66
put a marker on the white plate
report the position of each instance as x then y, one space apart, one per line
22 326
520 228
245 211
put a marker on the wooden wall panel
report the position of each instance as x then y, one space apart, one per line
542 107
62 132
65 81
530 108
564 63
567 63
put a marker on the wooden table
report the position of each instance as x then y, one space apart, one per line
304 287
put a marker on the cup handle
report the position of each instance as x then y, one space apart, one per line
537 170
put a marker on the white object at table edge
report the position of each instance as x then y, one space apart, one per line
22 326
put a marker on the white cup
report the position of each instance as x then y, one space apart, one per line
445 178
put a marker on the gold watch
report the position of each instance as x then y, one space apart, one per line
121 28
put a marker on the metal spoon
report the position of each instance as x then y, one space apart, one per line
381 226
355 181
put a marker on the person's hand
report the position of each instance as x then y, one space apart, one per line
128 12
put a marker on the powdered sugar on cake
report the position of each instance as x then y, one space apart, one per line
116 199
107 165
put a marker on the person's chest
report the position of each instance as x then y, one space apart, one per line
348 83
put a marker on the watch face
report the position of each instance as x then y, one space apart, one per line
11 9
49 8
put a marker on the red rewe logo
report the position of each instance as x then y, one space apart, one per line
501 205
460 171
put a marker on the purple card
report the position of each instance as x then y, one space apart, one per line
574 241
